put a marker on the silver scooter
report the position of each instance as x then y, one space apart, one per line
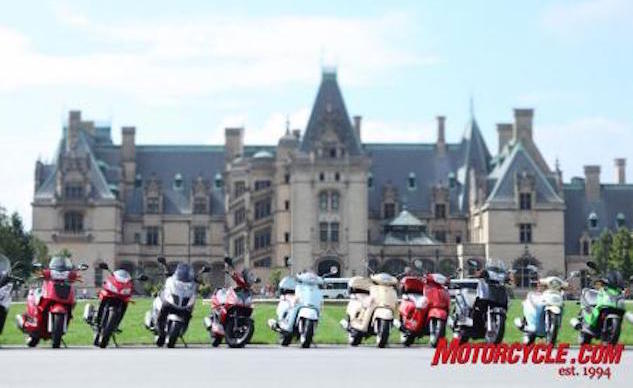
7 282
173 306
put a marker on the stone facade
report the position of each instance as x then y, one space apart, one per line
320 198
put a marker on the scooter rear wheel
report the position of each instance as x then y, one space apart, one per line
285 339
382 336
32 341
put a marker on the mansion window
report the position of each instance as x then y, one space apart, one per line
458 238
334 201
200 205
323 201
440 210
266 262
390 210
370 181
261 185
287 178
199 236
73 222
334 231
525 233
73 191
323 231
239 188
593 220
411 181
218 181
286 237
329 232
262 238
321 176
287 205
151 236
153 206
337 176
238 246
262 208
239 216
525 201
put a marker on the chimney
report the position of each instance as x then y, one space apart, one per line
504 130
620 170
357 121
128 146
128 154
441 139
233 143
592 182
523 124
74 122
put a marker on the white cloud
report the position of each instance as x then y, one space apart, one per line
380 131
589 140
577 17
163 60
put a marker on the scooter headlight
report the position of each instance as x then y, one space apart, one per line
110 287
421 302
126 291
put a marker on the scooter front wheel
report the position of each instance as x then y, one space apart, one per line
58 330
382 335
438 330
173 333
552 324
108 326
307 333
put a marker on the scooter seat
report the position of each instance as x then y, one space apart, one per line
588 297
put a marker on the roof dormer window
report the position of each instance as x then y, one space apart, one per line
138 180
178 181
620 220
592 220
218 180
370 180
411 182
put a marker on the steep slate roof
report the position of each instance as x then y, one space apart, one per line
164 162
406 229
476 157
502 178
329 111
614 199
392 163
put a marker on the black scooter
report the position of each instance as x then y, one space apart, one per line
481 304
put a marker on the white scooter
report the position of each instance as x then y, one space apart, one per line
173 306
7 282
299 307
543 309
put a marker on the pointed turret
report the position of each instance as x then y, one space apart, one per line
329 114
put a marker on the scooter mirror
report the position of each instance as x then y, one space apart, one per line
36 265
142 278
258 280
161 260
473 263
205 269
417 263
592 265
228 261
574 274
83 267
103 266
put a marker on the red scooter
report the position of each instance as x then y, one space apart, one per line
424 307
49 308
231 310
114 297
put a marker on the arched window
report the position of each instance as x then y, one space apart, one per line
325 266
411 183
620 220
592 220
178 181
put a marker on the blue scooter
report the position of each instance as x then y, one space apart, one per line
299 308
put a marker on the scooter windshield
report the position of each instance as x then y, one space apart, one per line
309 295
184 273
60 264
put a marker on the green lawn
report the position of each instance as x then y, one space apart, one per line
328 331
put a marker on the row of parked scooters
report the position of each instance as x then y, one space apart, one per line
480 303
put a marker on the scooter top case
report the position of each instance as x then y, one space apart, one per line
384 279
359 285
287 285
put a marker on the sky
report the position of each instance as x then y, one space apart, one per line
183 71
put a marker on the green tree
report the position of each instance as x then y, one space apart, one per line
621 252
600 249
20 246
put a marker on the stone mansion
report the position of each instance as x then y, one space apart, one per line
319 198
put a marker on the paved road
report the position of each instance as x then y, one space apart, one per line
323 367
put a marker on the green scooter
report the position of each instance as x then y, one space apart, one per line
602 308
